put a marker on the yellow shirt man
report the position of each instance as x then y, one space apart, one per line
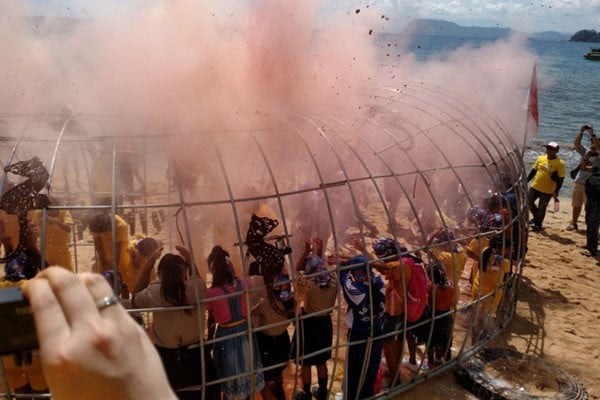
57 236
545 167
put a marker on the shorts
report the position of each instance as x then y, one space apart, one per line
319 338
578 197
442 330
273 351
393 323
421 332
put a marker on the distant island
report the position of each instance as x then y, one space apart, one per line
435 27
586 35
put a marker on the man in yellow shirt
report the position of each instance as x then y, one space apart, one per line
548 173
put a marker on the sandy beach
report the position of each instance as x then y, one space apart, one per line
558 310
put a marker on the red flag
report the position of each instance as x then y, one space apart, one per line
533 116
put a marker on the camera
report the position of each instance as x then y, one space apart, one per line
18 329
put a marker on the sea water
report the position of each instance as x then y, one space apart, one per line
568 91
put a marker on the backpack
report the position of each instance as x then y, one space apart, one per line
417 294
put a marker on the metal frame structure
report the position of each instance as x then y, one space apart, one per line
333 170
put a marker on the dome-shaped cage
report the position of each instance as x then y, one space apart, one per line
414 163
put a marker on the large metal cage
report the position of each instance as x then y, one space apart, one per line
409 161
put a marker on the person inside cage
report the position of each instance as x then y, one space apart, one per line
227 306
314 332
175 333
23 373
442 301
58 225
274 317
364 293
140 250
101 228
397 274
450 253
488 283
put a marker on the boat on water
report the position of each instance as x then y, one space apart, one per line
594 54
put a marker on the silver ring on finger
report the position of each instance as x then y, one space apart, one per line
107 301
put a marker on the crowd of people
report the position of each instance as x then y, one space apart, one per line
228 337
548 174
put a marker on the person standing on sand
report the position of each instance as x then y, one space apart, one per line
548 174
592 205
587 158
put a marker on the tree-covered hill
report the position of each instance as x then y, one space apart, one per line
586 35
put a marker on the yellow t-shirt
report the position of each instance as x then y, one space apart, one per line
545 168
122 241
452 262
57 250
10 223
394 291
492 278
131 272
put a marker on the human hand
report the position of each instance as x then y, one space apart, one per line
185 253
317 245
90 352
156 254
307 246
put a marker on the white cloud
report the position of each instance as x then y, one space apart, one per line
524 15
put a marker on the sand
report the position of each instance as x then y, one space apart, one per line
558 310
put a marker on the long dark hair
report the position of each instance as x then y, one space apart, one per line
220 267
172 284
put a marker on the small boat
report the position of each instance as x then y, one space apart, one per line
594 54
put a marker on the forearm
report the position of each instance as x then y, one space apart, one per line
531 174
144 279
559 184
577 142
301 261
101 254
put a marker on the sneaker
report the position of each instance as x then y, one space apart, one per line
414 368
318 393
302 395
572 227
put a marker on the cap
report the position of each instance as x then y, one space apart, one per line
552 145
385 247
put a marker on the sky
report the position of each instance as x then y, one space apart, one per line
567 16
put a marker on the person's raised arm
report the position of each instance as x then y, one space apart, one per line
577 143
144 278
303 256
90 348
187 256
